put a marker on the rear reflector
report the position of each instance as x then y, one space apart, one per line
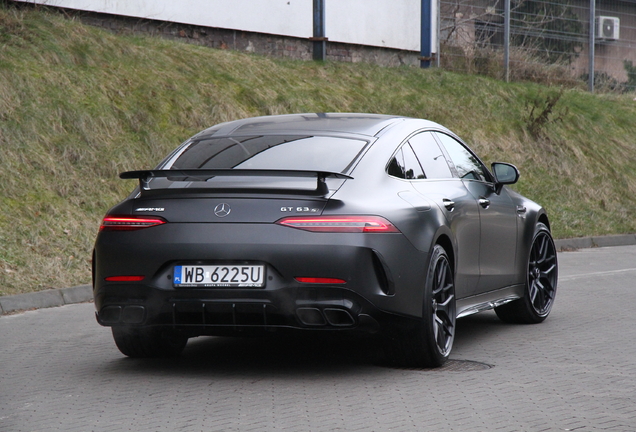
340 224
124 278
129 223
316 280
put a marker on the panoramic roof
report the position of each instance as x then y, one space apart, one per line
363 124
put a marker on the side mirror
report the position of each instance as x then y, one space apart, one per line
504 174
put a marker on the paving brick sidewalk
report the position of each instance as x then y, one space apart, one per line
60 371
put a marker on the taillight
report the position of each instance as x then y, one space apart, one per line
340 224
129 223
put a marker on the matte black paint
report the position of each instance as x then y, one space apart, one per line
487 244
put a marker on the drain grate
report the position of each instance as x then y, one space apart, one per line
455 366
464 366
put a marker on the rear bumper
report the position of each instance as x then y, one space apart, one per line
383 276
217 312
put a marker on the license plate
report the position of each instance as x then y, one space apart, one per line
219 276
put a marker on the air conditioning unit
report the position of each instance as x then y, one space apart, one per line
607 28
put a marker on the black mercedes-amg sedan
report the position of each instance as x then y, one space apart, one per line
321 223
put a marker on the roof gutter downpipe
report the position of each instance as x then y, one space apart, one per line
425 39
319 39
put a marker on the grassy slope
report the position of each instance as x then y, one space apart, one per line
78 105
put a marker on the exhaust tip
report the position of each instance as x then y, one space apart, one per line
339 318
310 316
131 314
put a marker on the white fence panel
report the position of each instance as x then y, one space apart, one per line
380 23
280 17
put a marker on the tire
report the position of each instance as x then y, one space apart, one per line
541 282
429 343
148 342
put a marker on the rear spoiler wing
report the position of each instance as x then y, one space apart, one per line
145 176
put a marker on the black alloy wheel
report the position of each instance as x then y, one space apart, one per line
541 282
542 273
443 313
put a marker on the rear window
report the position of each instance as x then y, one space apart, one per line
313 153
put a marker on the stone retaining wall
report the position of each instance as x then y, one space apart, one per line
258 43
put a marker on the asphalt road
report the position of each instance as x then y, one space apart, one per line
60 371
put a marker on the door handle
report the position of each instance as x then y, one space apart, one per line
485 203
450 205
521 211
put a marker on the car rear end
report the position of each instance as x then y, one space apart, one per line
209 245
215 277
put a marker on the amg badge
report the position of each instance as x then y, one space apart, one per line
150 209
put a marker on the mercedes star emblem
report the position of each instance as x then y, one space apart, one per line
222 210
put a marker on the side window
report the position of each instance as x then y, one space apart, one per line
405 165
466 164
413 168
396 166
430 156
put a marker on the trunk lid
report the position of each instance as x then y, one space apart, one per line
226 210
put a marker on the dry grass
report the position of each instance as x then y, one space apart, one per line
523 66
78 105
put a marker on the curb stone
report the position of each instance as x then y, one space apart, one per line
563 245
45 299
84 293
